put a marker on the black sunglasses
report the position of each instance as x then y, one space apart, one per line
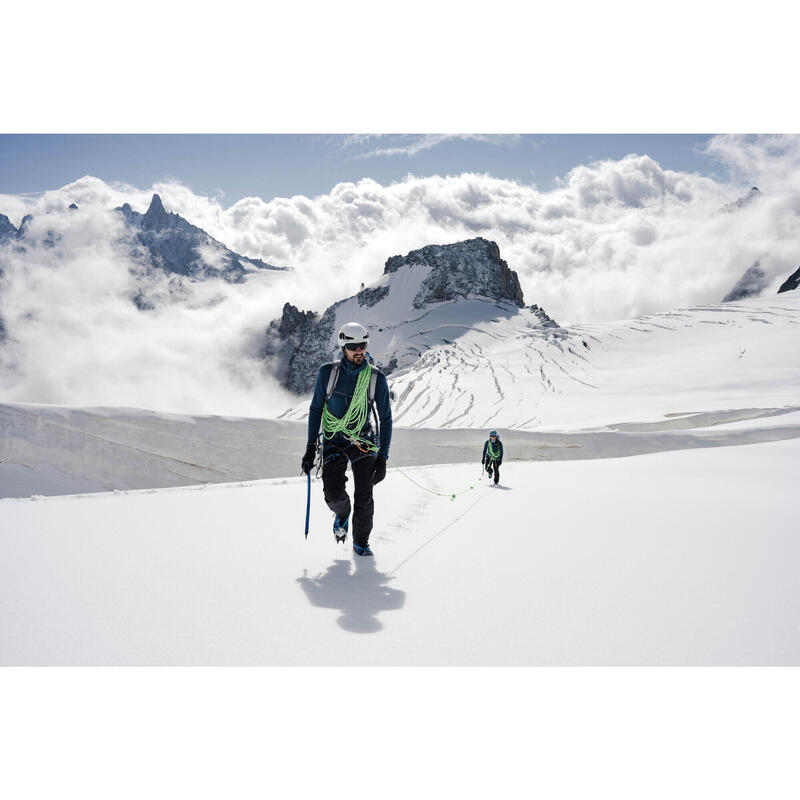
352 347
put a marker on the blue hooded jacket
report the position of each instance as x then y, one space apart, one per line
340 401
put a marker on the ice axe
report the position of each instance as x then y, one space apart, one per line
308 501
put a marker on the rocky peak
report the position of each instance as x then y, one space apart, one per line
73 206
791 283
283 337
751 284
156 217
453 288
464 269
743 201
294 321
7 229
24 225
167 241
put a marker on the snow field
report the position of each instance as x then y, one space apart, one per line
686 557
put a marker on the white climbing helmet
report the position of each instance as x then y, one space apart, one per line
353 333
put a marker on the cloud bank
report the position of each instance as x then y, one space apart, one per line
613 240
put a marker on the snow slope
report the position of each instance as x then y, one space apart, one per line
687 557
665 382
507 374
49 450
650 518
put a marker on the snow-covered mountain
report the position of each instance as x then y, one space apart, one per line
693 378
431 296
510 371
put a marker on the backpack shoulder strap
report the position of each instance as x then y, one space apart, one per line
333 379
373 380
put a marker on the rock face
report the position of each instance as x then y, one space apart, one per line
792 282
473 267
284 336
167 241
751 284
24 225
7 230
743 201
429 297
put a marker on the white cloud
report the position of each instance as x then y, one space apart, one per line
414 144
614 239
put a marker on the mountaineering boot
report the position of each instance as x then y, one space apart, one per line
340 527
362 551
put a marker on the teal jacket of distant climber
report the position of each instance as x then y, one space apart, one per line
489 451
339 402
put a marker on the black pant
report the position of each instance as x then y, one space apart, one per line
334 467
494 465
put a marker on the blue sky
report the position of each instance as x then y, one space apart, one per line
232 166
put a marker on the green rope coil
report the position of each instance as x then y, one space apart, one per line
491 452
351 424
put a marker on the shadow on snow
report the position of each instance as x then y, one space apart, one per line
360 592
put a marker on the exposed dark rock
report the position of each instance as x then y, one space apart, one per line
72 207
7 229
312 350
50 238
284 336
369 297
546 320
743 201
24 225
792 282
751 284
141 302
467 270
463 269
165 240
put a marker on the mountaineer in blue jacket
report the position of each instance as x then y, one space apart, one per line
493 455
347 392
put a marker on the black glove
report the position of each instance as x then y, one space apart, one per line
380 470
308 459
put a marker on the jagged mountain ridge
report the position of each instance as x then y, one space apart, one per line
159 243
162 240
507 372
168 241
429 297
